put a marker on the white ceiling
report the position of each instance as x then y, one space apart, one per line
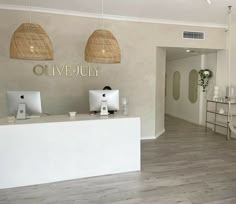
184 11
179 53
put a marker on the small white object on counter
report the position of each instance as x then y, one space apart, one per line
11 119
124 103
72 114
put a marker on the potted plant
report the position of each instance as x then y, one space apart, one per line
205 75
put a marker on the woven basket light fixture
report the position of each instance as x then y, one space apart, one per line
31 42
102 47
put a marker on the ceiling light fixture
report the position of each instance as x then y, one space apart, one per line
31 42
102 47
208 1
191 51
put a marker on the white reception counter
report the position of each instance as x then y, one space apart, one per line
57 148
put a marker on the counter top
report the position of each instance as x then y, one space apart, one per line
62 118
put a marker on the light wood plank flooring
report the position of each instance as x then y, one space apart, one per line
185 165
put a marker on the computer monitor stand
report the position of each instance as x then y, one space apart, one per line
21 113
104 108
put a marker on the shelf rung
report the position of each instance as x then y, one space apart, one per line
224 114
217 124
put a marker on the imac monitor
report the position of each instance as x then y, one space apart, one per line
104 100
22 103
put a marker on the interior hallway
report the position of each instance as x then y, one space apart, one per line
185 165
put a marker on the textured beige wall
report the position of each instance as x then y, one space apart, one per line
182 108
160 91
223 77
135 76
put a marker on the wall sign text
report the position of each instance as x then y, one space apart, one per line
66 70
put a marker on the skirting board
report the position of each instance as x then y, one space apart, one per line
154 137
160 133
183 118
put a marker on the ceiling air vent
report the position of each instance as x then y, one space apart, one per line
193 35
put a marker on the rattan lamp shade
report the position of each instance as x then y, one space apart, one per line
102 47
31 42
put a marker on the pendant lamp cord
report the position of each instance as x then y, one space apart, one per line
229 58
103 47
102 14
31 46
30 11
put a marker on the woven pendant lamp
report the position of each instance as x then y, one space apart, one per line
102 47
31 42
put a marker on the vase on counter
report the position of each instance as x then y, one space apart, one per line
124 105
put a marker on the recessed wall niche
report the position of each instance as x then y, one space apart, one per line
176 85
193 86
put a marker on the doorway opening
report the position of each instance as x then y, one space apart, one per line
184 98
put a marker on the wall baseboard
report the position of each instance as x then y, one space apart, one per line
148 138
153 137
183 118
160 133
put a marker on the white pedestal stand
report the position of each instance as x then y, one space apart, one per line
21 113
104 108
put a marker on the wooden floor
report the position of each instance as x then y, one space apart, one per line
185 165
